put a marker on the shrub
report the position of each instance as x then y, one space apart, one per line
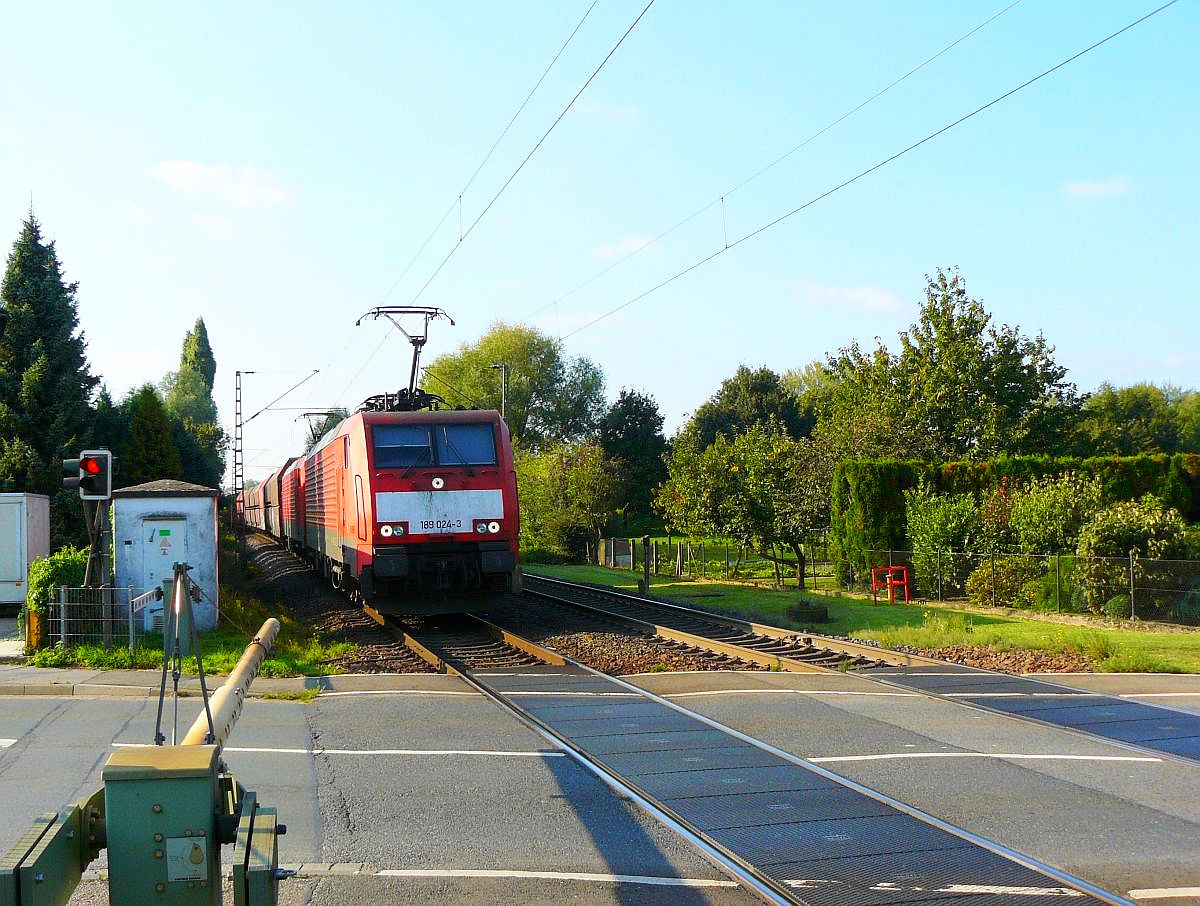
1012 575
1048 513
1154 531
945 523
1055 590
64 567
1117 607
1186 610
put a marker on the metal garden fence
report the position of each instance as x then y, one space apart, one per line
108 617
1117 587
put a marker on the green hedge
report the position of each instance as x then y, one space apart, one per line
867 505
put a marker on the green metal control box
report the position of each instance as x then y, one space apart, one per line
165 838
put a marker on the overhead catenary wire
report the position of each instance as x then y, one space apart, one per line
869 170
464 234
770 166
457 201
450 386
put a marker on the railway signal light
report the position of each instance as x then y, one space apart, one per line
91 473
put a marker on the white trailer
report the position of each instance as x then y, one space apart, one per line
24 537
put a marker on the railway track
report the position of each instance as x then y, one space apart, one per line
767 646
465 642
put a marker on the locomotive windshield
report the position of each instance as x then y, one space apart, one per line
468 445
402 446
405 446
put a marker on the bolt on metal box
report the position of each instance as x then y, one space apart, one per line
164 847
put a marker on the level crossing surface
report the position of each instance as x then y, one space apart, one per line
798 828
416 789
1150 726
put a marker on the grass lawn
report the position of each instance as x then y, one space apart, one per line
918 625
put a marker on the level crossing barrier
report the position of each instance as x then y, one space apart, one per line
164 810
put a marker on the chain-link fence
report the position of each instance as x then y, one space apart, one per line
107 617
1115 587
717 559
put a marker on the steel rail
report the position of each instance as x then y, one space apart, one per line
843 646
820 661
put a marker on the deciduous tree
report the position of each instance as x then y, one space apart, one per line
631 434
551 397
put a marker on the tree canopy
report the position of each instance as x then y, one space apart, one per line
749 398
631 434
1140 418
961 386
551 397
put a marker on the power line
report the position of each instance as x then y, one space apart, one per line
457 202
749 179
445 383
533 151
872 169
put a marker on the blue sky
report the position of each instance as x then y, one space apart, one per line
273 167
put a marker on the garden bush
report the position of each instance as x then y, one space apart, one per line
1012 575
1154 531
66 566
941 527
1047 514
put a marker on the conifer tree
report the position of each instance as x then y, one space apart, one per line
188 394
45 383
149 452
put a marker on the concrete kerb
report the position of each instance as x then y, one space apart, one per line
22 680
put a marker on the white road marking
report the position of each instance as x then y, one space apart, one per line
1004 889
790 692
396 692
1025 695
279 751
1160 695
5 743
553 876
585 695
1014 756
1164 893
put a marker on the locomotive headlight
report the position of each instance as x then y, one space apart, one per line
386 531
399 530
438 483
493 527
481 528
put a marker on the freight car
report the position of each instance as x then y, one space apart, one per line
409 511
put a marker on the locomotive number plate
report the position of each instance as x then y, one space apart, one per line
442 525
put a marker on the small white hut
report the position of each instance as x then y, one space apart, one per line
159 524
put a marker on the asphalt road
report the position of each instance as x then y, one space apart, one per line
433 794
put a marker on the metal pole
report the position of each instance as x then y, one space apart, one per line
1132 557
939 577
62 615
129 615
1058 583
993 556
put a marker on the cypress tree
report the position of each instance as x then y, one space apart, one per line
188 395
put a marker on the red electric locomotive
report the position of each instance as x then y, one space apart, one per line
405 506
416 511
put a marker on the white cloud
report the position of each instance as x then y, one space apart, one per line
623 247
240 185
216 226
864 298
601 110
1098 188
